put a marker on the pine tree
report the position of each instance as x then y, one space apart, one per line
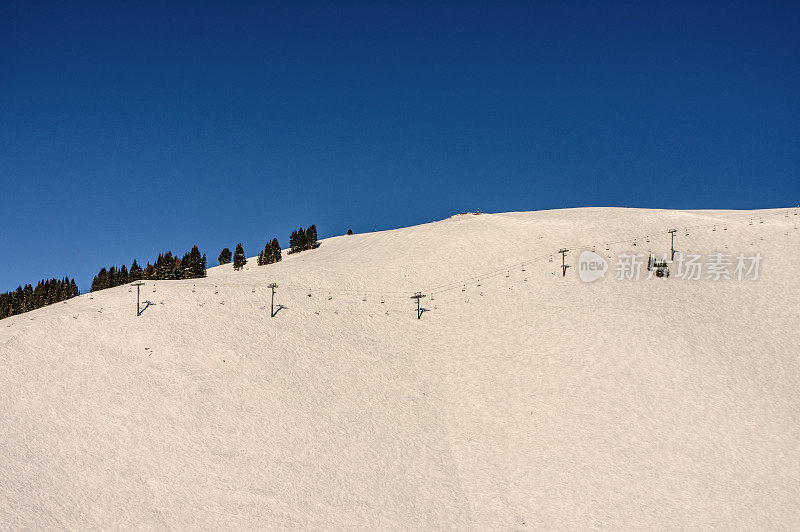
349 231
260 261
311 236
275 251
239 260
225 256
302 241
136 271
293 242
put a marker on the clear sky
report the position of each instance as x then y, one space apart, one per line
130 128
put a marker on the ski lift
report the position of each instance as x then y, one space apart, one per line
526 279
432 298
309 292
329 296
725 227
479 282
608 247
715 228
365 297
129 290
551 258
193 288
154 287
216 290
481 292
634 242
464 288
382 301
523 266
254 289
507 274
648 240
761 220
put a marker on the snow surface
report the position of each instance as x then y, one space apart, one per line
546 403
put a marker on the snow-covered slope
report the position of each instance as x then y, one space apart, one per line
532 400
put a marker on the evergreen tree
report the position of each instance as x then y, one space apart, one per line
293 242
136 272
275 251
225 256
349 231
122 278
239 260
311 237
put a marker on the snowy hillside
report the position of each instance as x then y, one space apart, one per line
520 399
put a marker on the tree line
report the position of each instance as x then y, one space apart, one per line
301 240
167 267
47 292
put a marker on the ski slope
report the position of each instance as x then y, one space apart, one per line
530 401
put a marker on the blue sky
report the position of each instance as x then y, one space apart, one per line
130 128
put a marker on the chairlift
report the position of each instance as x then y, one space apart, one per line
329 296
365 297
193 288
309 292
507 274
648 240
216 290
382 301
715 228
432 298
725 227
523 266
479 282
464 288
526 279
254 289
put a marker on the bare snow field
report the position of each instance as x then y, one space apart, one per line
530 401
